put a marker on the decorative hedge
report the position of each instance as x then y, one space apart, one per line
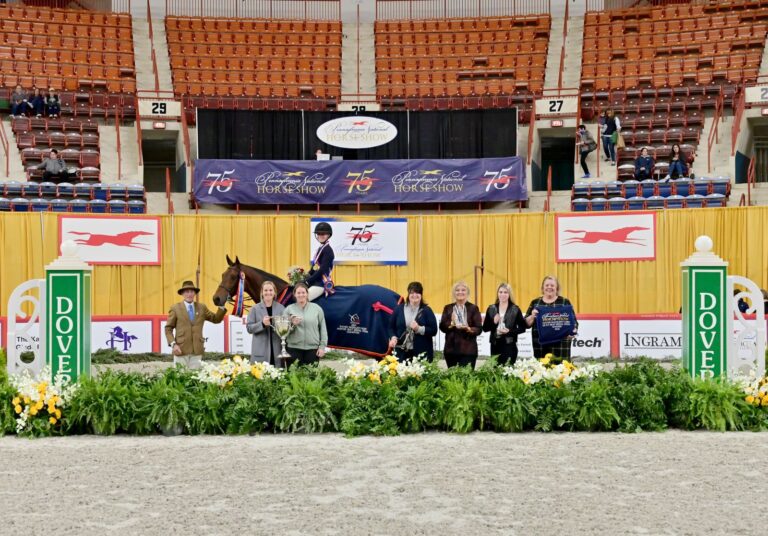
388 398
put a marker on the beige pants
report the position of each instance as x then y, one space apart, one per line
192 362
315 292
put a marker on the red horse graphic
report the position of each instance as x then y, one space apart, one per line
617 236
121 239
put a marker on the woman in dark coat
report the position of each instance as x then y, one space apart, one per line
505 321
413 326
550 289
462 323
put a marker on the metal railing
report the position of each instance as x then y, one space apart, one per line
740 100
138 131
750 180
713 137
440 9
168 190
562 48
185 138
152 45
118 121
257 9
6 148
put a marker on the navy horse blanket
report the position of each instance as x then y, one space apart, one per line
357 318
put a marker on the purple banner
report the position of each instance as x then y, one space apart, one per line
258 182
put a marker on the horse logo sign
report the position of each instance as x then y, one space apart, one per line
605 237
106 240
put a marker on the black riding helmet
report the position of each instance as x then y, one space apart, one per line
324 228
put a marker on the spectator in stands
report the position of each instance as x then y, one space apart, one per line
54 166
677 165
586 144
644 165
611 130
52 104
36 102
18 102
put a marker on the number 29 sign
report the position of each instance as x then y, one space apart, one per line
374 241
159 108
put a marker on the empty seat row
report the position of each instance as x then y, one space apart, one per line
73 142
248 38
54 68
269 90
67 43
204 24
265 77
71 83
10 26
245 52
540 46
256 64
672 38
654 202
650 187
462 25
86 190
457 37
67 56
27 15
63 124
94 206
498 61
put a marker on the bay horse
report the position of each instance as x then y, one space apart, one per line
357 318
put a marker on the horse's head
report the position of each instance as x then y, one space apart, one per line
228 285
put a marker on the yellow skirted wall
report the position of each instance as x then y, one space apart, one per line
518 248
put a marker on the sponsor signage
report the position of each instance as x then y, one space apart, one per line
125 336
656 339
113 240
68 319
374 241
213 336
605 237
357 132
259 182
29 341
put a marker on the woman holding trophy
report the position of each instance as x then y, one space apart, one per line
265 344
309 336
505 321
413 326
461 322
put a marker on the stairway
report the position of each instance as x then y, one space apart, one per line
349 44
142 48
129 154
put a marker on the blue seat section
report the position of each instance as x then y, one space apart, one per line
716 200
694 201
636 203
20 204
654 201
78 205
117 206
599 204
675 201
617 203
59 205
97 206
5 204
136 207
38 204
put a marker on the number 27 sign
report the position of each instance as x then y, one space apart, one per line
551 106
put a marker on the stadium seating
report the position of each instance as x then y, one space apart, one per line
461 63
650 194
66 49
253 58
659 68
66 197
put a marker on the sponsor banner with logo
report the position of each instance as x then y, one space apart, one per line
106 240
258 182
127 337
657 339
373 241
213 337
357 132
30 341
605 237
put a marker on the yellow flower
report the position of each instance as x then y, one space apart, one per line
750 399
545 360
26 400
764 401
39 405
16 401
52 420
58 414
17 408
33 411
257 372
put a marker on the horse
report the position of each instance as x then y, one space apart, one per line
357 318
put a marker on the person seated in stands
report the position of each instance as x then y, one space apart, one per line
52 104
54 167
36 102
644 165
18 102
677 165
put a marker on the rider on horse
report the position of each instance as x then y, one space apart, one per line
319 279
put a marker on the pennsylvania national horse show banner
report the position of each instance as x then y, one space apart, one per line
256 182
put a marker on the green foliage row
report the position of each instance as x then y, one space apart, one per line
632 398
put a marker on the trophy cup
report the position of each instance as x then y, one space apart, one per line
282 326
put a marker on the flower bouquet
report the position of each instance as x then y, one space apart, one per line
386 369
225 372
39 402
532 371
296 275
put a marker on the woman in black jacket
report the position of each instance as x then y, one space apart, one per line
412 326
505 321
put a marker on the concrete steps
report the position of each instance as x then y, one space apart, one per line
142 48
129 154
553 53
349 65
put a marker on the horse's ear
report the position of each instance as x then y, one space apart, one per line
229 261
237 260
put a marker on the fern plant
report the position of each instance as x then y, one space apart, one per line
307 406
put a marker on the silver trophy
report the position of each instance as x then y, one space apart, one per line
282 326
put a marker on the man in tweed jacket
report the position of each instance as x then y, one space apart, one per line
187 319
